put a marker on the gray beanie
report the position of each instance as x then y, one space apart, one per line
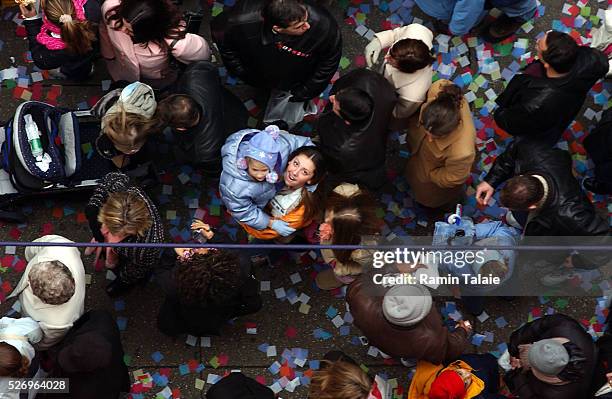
548 356
406 305
136 98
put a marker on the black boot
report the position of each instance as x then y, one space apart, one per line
117 287
595 186
502 28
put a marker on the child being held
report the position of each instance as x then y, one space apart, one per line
297 203
252 163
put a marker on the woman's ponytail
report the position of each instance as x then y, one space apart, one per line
77 35
442 116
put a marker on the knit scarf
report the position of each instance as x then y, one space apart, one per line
54 43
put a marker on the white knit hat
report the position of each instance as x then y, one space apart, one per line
406 305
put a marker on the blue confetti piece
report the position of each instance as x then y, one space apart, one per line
119 305
161 381
314 364
274 368
183 369
477 339
121 323
331 312
157 357
501 322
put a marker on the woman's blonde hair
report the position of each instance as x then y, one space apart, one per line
352 217
77 35
340 380
125 213
127 129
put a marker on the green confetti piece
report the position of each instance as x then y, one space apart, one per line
215 210
456 40
217 10
251 122
479 102
503 49
344 62
585 11
10 84
127 359
86 147
380 213
214 362
364 368
480 80
561 303
595 19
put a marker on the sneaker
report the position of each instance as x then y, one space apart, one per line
502 28
557 277
408 362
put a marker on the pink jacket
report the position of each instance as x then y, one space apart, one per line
128 61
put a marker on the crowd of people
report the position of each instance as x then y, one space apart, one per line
287 188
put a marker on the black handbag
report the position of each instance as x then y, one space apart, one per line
239 386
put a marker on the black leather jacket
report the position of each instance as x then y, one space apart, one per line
222 114
541 108
303 65
567 211
526 385
358 152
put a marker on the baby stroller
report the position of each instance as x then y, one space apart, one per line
68 164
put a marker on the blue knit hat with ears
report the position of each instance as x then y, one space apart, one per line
264 147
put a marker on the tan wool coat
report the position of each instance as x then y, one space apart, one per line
437 170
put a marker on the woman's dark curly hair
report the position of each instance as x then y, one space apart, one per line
212 277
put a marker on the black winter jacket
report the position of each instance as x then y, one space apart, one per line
526 385
542 108
357 152
604 359
222 114
567 211
303 65
74 66
599 142
105 381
